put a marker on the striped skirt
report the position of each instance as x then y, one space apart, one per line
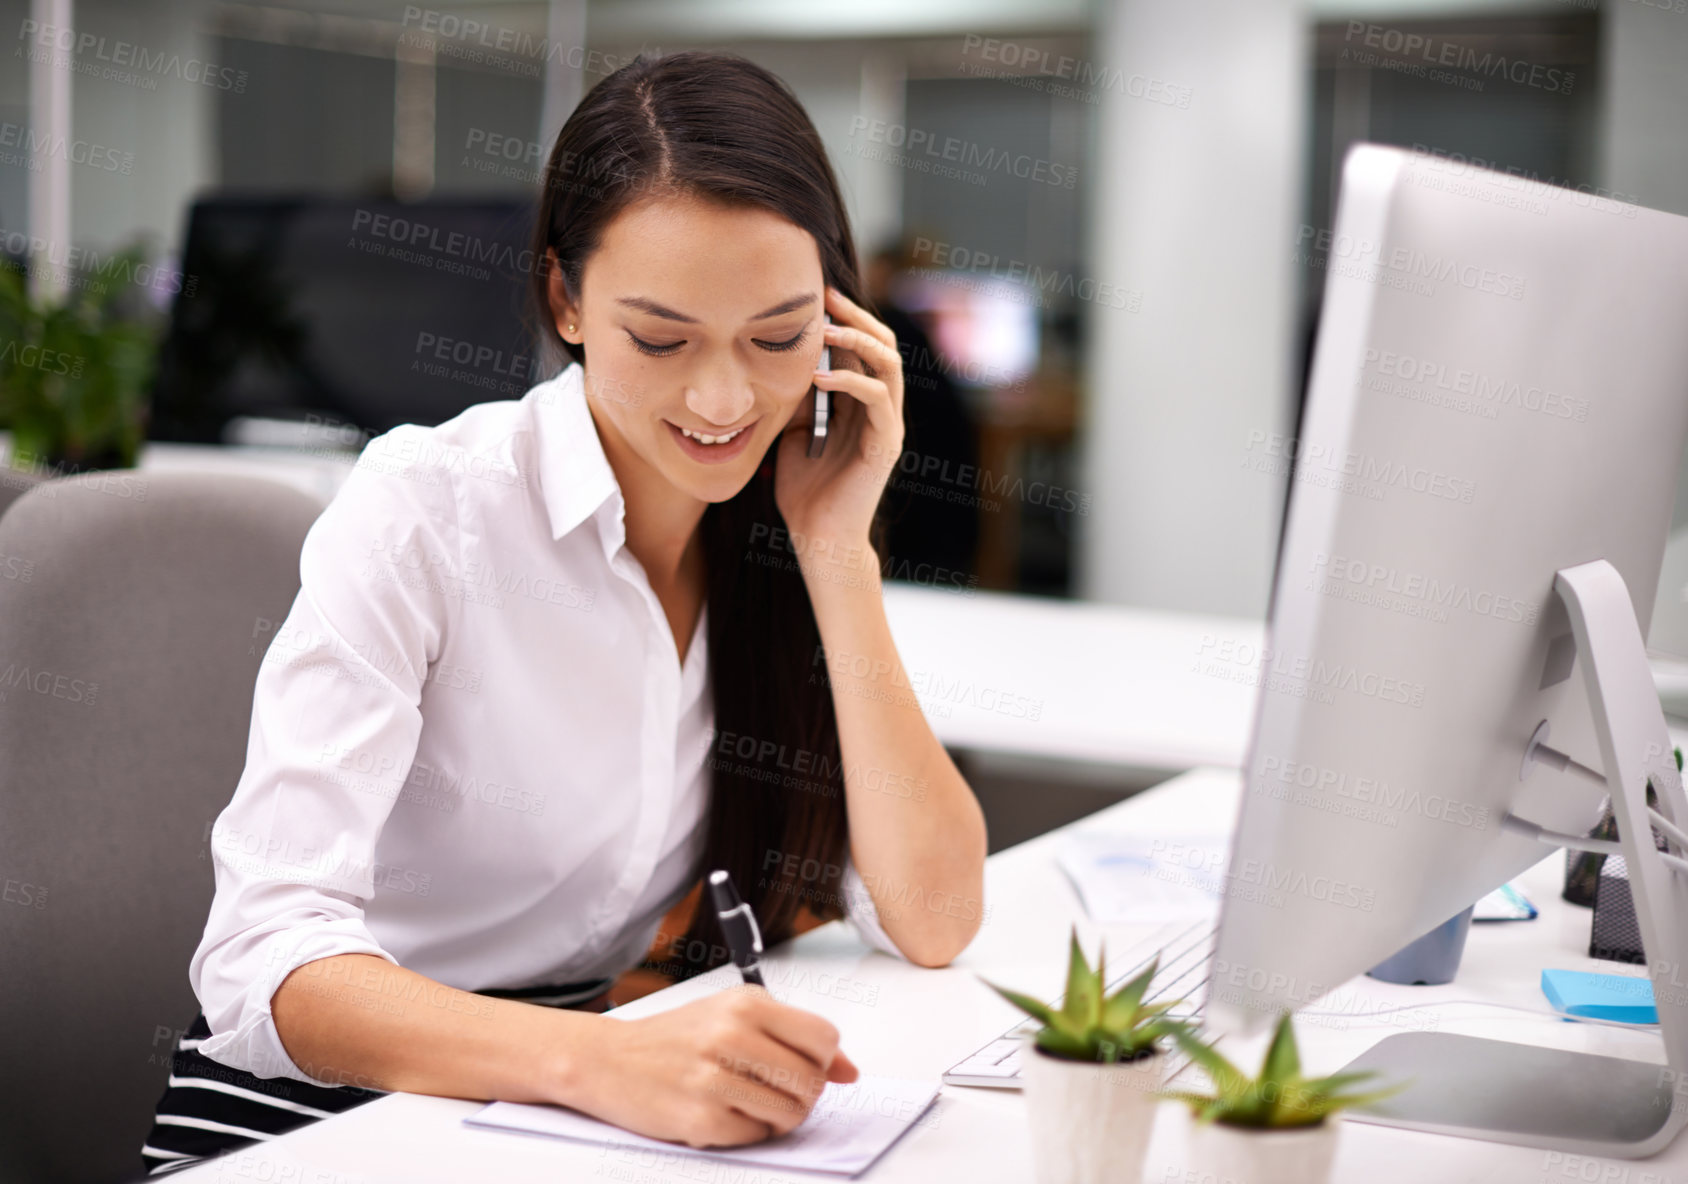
209 1109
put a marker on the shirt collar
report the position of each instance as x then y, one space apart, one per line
575 477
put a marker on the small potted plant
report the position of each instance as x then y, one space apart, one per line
1277 1128
1093 1073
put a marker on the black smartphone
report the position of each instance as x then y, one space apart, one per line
823 403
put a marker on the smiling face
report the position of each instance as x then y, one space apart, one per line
703 326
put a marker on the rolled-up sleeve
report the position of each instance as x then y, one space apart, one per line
336 716
863 913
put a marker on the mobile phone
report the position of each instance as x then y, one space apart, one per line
823 403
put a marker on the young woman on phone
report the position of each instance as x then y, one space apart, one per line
554 658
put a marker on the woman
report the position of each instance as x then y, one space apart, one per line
553 658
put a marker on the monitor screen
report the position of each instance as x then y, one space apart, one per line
359 313
985 326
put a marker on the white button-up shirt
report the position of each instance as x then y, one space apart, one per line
474 750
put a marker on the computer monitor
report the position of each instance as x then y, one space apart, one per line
322 320
1479 501
985 326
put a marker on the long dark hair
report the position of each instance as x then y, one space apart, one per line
719 126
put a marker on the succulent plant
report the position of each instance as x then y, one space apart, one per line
1280 1096
1089 1026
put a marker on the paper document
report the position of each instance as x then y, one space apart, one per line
850 1127
1506 903
1132 879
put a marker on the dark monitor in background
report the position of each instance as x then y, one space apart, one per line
309 320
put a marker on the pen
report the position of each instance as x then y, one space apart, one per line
744 936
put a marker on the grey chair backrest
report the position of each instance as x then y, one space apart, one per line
135 608
14 483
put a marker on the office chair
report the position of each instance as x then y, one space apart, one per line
14 483
127 662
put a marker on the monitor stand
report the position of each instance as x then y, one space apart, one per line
1571 1101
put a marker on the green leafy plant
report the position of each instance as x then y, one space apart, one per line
1089 1026
74 371
1280 1096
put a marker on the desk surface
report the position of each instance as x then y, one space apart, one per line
899 1020
1079 681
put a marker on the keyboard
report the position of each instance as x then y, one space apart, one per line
1186 952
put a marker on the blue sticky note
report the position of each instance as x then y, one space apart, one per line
1614 997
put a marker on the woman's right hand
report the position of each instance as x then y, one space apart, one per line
736 1067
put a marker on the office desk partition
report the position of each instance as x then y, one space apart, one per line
897 1019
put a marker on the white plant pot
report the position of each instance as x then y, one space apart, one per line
1243 1155
1090 1121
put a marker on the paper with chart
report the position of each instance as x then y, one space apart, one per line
850 1127
1125 879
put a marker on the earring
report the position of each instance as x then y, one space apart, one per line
571 326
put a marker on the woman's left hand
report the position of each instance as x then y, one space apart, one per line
829 500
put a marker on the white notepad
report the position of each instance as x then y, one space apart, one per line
1136 880
850 1127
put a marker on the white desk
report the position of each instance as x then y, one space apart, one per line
1118 685
899 1020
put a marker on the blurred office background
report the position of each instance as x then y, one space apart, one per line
1102 226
